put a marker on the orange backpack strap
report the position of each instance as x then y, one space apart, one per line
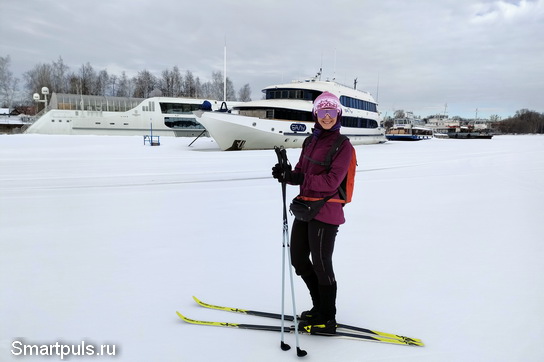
335 147
330 199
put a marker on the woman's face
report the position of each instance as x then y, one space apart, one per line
327 118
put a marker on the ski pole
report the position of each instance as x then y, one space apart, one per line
284 163
284 346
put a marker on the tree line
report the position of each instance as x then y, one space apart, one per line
524 121
59 78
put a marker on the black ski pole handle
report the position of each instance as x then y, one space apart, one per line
278 154
281 153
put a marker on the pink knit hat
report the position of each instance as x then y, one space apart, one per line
327 101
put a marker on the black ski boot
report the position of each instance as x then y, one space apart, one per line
324 322
309 315
313 287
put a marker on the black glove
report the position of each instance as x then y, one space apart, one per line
287 175
278 172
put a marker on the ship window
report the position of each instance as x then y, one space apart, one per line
291 94
295 94
358 104
182 123
178 108
292 115
278 113
356 122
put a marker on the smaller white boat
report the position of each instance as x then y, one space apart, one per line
96 115
469 132
408 129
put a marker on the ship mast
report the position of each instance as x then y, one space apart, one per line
225 72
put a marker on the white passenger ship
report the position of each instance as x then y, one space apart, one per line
284 117
96 115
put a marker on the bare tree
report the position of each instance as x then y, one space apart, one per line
166 83
74 84
231 93
59 77
217 85
206 91
198 88
87 77
190 85
54 76
177 82
494 118
171 83
112 83
102 81
144 83
244 94
8 83
215 89
40 76
125 86
399 113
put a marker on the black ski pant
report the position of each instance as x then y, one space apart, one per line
315 239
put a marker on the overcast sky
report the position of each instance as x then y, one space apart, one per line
412 55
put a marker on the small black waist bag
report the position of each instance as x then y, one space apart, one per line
306 210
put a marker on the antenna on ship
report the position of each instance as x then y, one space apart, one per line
334 70
225 72
321 67
355 84
318 75
378 89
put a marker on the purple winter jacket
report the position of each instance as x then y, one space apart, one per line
317 182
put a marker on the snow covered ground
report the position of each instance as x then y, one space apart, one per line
102 239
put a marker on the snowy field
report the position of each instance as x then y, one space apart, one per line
102 239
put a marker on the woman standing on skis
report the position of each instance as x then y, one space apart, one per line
316 237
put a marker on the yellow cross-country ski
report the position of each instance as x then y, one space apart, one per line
343 330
